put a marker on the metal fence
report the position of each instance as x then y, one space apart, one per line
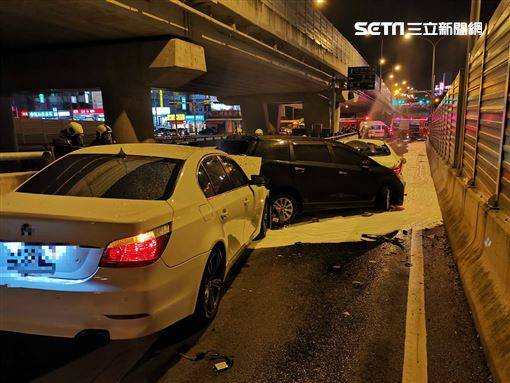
445 122
484 155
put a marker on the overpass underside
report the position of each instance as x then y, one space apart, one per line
127 47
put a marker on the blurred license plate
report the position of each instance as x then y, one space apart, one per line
27 259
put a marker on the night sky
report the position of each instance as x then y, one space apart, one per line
416 55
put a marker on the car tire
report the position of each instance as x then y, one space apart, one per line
211 287
264 224
285 206
383 199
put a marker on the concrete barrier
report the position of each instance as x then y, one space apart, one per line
480 240
9 181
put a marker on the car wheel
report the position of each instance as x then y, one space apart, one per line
264 224
211 287
285 207
383 200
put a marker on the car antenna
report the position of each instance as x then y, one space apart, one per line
121 153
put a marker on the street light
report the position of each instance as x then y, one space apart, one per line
404 82
434 44
382 61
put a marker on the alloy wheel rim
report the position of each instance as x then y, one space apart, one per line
213 285
285 207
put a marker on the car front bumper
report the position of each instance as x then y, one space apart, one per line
125 302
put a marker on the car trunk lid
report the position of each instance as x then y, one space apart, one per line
63 237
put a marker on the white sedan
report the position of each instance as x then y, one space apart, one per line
125 239
379 151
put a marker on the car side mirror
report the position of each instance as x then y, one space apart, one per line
258 180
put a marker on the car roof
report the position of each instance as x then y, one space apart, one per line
181 152
291 138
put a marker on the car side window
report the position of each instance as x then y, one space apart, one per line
204 182
271 150
311 152
345 156
217 174
234 171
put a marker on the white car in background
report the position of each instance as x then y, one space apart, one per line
125 239
374 129
379 151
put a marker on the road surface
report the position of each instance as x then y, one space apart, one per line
312 302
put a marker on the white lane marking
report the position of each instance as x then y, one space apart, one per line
415 349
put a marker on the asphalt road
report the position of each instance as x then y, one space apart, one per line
316 312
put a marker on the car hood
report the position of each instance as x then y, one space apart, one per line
83 221
390 162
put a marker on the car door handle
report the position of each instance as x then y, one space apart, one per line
299 169
224 214
342 173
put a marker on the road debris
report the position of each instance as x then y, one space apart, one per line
220 362
346 314
390 238
335 268
357 284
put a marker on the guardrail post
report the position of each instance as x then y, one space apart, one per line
480 94
503 130
459 126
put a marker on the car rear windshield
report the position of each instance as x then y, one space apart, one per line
107 176
369 149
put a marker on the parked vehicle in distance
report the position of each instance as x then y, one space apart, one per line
305 174
374 129
207 131
410 128
379 151
124 239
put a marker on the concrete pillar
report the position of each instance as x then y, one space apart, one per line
316 111
274 113
336 120
8 139
128 111
255 116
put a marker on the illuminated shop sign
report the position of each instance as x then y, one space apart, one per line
88 111
197 118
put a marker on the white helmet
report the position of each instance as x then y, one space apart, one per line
259 132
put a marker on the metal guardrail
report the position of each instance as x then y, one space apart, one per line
21 156
340 136
482 153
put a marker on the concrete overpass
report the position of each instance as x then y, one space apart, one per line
254 53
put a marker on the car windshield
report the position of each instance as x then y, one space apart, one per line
107 176
369 148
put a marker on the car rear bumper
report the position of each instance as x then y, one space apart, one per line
127 303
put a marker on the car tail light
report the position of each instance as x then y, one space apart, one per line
140 250
398 169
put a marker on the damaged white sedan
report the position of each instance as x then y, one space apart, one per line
124 239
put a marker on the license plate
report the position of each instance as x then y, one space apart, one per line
27 259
